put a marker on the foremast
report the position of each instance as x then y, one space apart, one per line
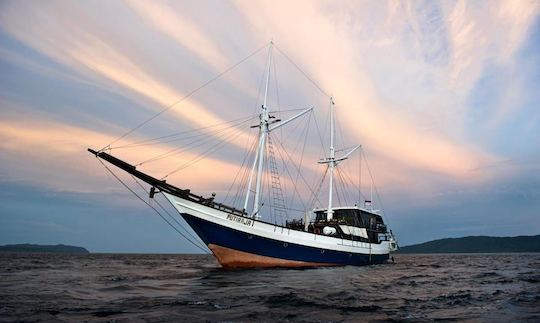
265 127
263 134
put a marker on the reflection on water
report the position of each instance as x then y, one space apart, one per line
101 287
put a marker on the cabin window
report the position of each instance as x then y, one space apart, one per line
349 216
320 216
365 219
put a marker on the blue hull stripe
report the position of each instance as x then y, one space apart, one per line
212 233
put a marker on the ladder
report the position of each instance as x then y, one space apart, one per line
278 201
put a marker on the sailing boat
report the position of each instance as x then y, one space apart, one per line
330 236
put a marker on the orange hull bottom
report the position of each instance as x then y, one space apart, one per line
230 258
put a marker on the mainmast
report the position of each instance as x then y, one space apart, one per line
331 163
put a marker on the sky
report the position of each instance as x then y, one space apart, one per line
443 96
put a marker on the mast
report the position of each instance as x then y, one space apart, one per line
263 133
331 163
265 127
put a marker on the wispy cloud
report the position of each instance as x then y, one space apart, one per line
440 93
86 52
182 29
400 72
51 154
339 66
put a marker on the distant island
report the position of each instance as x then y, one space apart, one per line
36 248
476 244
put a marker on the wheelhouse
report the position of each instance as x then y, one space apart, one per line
352 223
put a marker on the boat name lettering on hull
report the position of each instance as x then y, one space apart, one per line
239 219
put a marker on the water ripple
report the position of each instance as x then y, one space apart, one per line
193 288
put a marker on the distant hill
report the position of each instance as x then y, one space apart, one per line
36 248
476 244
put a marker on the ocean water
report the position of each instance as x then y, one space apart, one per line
193 288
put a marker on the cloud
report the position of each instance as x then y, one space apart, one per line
43 69
183 29
51 154
438 93
360 53
86 51
105 61
339 67
515 19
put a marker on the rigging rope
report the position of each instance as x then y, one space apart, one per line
336 185
240 194
155 141
277 95
200 156
290 159
319 187
352 184
322 150
344 184
375 187
295 183
246 155
302 71
192 144
189 94
153 208
165 210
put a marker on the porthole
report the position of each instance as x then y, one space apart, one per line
250 236
322 250
285 244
